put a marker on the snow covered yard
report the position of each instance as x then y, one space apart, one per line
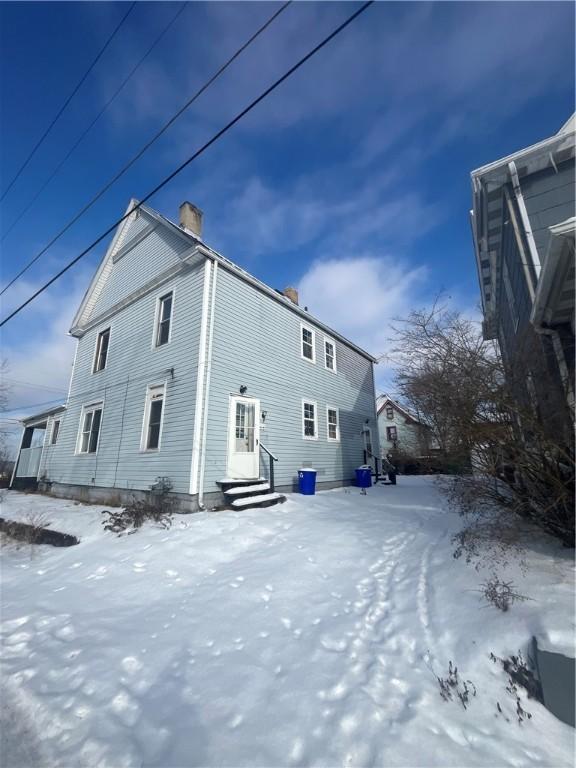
304 634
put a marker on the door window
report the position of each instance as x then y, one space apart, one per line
245 413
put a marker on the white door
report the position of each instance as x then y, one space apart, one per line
367 434
244 438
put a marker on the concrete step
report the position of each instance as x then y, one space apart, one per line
261 500
236 482
248 489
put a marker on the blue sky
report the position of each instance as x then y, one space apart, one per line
351 181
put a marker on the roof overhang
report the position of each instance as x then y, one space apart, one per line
30 421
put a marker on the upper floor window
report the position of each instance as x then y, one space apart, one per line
307 344
333 427
55 431
101 356
153 413
163 319
309 420
389 412
330 355
90 422
391 433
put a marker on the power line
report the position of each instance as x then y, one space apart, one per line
139 154
93 123
68 100
196 154
33 386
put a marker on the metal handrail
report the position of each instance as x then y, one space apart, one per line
271 465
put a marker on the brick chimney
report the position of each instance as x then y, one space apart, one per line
292 294
191 218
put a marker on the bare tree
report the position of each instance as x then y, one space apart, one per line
500 424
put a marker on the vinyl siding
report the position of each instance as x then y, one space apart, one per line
156 253
132 365
257 344
550 199
408 441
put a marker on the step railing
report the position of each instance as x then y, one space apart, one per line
271 460
374 462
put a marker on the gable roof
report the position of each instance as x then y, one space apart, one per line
382 401
197 247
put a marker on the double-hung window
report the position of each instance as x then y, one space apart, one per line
55 431
307 344
153 417
389 412
309 420
101 356
330 355
391 433
90 423
163 319
332 424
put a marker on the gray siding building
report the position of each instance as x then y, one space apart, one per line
189 368
523 224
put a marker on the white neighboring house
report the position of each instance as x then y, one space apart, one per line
400 431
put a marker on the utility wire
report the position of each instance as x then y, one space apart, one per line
93 123
193 157
68 100
33 386
139 154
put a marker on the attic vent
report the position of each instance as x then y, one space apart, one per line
191 218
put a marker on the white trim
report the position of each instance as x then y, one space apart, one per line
315 404
309 328
94 289
337 411
197 434
328 340
58 421
525 218
233 400
72 373
159 297
90 407
207 388
146 417
96 346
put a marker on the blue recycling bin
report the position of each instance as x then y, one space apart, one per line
364 477
307 481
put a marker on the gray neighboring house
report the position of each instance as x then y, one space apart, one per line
523 223
189 368
400 431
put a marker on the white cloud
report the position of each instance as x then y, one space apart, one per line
39 351
360 297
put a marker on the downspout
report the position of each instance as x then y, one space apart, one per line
200 378
525 219
207 390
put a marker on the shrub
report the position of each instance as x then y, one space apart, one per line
158 507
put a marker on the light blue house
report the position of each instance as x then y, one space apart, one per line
189 368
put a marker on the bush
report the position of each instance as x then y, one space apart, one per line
158 507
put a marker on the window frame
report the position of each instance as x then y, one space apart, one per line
309 328
146 418
389 438
389 412
97 350
337 412
157 321
315 404
55 429
86 409
328 340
